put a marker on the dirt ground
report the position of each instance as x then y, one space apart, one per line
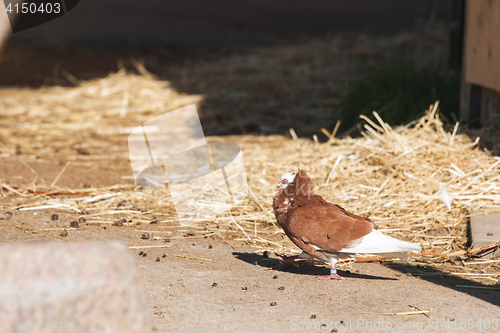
217 285
206 284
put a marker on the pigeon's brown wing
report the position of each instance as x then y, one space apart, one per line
316 225
354 216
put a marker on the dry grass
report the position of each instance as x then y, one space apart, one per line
395 176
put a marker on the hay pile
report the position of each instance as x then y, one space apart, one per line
271 89
398 177
94 114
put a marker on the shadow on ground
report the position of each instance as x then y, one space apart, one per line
263 261
487 293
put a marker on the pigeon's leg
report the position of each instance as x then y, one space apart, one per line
289 259
333 272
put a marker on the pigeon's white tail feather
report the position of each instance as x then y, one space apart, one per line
380 244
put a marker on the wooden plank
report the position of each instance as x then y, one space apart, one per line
490 107
482 44
456 26
485 229
465 88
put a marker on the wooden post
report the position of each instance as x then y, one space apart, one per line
480 86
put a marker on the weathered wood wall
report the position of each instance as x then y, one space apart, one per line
483 43
481 66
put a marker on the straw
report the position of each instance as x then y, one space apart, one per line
391 175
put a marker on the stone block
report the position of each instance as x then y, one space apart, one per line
70 287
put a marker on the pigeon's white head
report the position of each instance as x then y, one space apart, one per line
286 179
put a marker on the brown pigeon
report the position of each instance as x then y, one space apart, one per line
326 231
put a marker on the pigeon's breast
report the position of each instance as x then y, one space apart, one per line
282 207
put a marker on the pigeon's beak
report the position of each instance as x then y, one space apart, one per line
278 187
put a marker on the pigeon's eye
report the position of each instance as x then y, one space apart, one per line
285 181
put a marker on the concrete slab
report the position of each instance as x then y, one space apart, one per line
240 291
485 229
